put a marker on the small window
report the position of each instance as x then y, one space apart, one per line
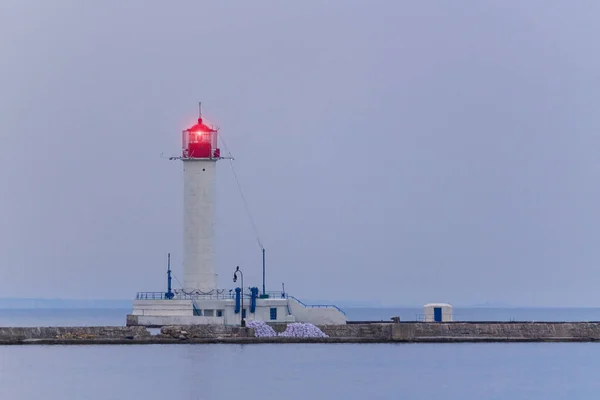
244 313
219 313
209 313
273 313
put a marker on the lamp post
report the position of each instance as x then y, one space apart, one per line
169 295
263 254
242 322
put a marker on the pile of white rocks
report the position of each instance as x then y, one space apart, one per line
261 329
296 329
299 329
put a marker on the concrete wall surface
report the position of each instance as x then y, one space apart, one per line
262 311
316 316
199 180
167 320
180 312
205 331
84 332
467 331
351 333
501 330
429 313
163 307
375 331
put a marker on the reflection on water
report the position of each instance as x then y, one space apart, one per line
296 371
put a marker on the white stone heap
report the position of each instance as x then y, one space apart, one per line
296 329
261 329
299 329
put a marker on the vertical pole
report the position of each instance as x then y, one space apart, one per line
169 291
243 322
263 254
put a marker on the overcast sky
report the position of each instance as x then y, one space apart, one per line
398 152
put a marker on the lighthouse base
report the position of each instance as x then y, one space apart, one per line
198 311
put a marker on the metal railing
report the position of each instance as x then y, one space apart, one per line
151 296
212 296
275 295
225 296
182 296
465 317
318 305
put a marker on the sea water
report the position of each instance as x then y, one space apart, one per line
302 371
299 371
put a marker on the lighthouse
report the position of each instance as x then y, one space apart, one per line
199 156
199 300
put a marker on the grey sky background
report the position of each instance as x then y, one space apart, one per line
391 151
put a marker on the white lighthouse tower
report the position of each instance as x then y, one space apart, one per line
200 301
199 155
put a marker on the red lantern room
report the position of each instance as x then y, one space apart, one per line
200 141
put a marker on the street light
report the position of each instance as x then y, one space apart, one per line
242 322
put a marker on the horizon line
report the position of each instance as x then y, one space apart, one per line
355 303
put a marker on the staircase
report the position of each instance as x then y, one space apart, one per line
197 311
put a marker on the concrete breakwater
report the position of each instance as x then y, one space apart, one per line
470 331
404 332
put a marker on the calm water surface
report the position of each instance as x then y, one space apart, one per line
315 371
366 371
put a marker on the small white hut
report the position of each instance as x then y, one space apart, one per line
437 312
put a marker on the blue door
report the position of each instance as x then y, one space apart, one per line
437 314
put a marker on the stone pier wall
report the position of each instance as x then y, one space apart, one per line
468 331
73 332
368 331
351 333
205 332
472 331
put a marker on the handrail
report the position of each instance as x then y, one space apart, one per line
195 308
318 305
223 296
275 294
183 296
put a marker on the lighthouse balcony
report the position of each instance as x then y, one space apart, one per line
201 154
